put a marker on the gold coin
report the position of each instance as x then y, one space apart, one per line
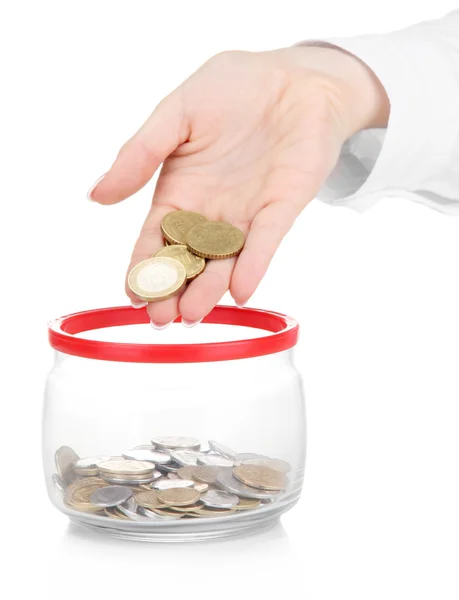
114 514
186 472
78 494
176 225
214 512
215 239
148 500
206 474
126 467
194 265
179 496
157 278
261 477
202 488
166 512
189 508
274 463
248 504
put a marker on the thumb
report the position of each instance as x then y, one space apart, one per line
139 158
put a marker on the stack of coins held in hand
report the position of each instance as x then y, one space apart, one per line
190 239
171 478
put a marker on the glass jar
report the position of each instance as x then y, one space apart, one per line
225 394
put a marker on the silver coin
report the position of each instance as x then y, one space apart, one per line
129 508
88 463
249 456
59 484
186 458
222 450
147 455
145 447
111 495
176 443
168 484
273 463
219 499
155 517
227 482
121 481
214 460
170 468
64 459
172 476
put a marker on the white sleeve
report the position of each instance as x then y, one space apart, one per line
417 156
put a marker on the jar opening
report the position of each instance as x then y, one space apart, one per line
278 333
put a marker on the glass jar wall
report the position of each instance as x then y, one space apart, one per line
198 435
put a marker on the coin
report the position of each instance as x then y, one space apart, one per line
189 508
178 496
248 504
170 468
156 279
175 225
173 476
59 484
147 455
64 459
89 466
219 499
194 265
125 480
260 477
214 460
126 467
79 493
129 509
274 463
215 239
202 488
110 512
214 512
186 458
165 513
240 458
226 481
148 500
222 450
176 443
169 484
186 472
111 495
206 474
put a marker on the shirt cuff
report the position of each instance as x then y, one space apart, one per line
408 158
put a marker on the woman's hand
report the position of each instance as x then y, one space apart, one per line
249 139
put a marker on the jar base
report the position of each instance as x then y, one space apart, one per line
196 530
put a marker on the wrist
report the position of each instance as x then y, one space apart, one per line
364 100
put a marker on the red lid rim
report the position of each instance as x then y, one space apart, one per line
61 333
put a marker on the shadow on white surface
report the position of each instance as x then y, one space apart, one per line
251 564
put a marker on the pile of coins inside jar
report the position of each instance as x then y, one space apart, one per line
190 239
171 478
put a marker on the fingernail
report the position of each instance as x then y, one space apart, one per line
160 325
188 324
93 187
138 304
241 304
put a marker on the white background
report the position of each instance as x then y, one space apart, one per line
376 295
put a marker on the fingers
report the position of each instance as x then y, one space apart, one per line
266 233
150 240
140 157
206 290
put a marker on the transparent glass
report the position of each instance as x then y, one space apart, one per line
101 407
